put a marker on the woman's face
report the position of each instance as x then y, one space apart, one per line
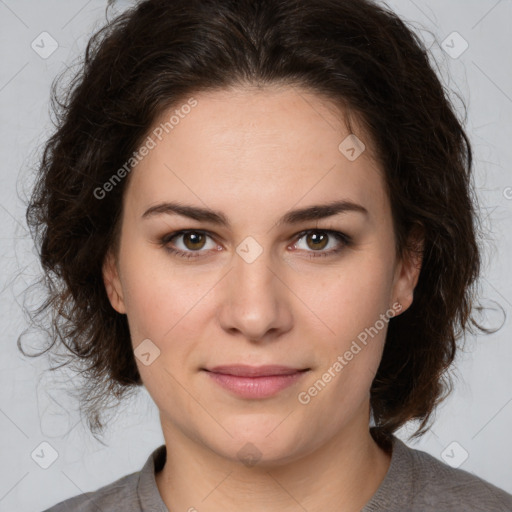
258 283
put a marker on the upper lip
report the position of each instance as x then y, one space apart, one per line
255 371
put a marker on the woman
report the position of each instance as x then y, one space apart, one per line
262 212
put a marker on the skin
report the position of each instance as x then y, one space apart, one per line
255 154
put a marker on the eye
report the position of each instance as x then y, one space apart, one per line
193 241
319 239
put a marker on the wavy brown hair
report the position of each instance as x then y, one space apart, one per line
360 55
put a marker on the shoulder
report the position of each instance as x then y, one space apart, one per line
118 495
438 484
417 481
135 492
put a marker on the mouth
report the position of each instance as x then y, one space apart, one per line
255 371
255 382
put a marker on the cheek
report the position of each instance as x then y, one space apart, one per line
169 307
350 298
350 304
158 295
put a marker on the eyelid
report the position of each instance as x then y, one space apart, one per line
175 234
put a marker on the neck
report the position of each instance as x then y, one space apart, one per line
342 474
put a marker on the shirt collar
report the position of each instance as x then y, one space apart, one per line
396 489
147 490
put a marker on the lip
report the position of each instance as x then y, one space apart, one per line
243 370
255 382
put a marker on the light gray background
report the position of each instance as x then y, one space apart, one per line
33 406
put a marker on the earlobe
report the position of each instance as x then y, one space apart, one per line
409 271
113 283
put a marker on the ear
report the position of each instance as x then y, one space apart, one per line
408 269
113 283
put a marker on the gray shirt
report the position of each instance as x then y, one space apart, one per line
415 482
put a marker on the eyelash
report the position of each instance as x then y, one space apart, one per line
344 239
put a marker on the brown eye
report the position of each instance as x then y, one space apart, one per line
187 244
194 240
317 240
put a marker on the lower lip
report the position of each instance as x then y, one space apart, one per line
255 387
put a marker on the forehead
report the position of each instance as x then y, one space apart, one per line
276 145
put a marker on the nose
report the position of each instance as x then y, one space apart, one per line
254 300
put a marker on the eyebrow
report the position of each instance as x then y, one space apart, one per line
314 212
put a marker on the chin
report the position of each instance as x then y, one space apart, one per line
259 442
